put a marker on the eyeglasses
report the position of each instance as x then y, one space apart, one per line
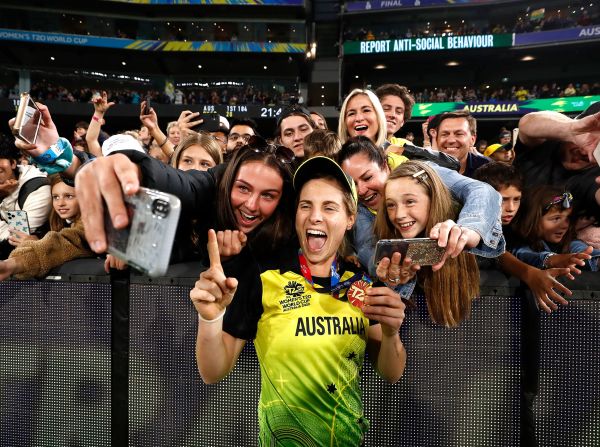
281 153
236 136
564 200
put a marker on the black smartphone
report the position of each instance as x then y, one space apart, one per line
147 106
211 123
422 251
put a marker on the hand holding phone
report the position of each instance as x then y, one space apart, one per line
422 251
17 219
147 242
27 122
47 134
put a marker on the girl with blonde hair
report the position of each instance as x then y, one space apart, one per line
415 202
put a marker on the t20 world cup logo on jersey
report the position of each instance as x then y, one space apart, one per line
294 296
293 289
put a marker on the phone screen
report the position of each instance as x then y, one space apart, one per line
30 122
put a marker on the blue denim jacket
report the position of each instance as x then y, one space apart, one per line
480 212
537 258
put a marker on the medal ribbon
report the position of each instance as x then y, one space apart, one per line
336 285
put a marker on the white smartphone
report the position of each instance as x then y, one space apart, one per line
17 219
147 242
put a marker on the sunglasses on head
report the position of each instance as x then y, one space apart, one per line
281 153
564 200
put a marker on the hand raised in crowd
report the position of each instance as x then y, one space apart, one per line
101 104
17 237
112 262
187 120
230 243
585 133
106 178
150 120
570 260
213 292
384 305
454 237
46 137
545 287
393 272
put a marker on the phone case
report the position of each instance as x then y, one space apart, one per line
17 219
147 242
422 251
28 120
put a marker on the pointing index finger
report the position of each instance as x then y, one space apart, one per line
213 250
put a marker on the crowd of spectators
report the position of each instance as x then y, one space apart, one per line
526 23
248 95
237 95
514 93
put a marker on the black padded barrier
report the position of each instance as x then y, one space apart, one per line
461 386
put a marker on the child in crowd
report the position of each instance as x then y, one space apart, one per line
415 201
198 151
65 242
507 180
547 230
322 142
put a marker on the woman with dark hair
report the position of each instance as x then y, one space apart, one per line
252 196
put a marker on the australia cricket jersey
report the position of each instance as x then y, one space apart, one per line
310 347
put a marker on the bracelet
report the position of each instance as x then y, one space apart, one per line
95 118
214 320
164 142
546 262
57 158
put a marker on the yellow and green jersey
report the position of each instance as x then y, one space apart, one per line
311 349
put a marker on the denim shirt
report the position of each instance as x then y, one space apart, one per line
536 258
481 213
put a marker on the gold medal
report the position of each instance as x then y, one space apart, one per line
357 292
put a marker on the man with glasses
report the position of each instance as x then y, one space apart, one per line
239 134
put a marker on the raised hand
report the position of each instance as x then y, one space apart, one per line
46 137
213 292
187 120
101 104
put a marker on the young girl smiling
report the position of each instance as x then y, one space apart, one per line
415 202
65 241
547 230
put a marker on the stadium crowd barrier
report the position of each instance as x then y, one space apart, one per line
90 359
